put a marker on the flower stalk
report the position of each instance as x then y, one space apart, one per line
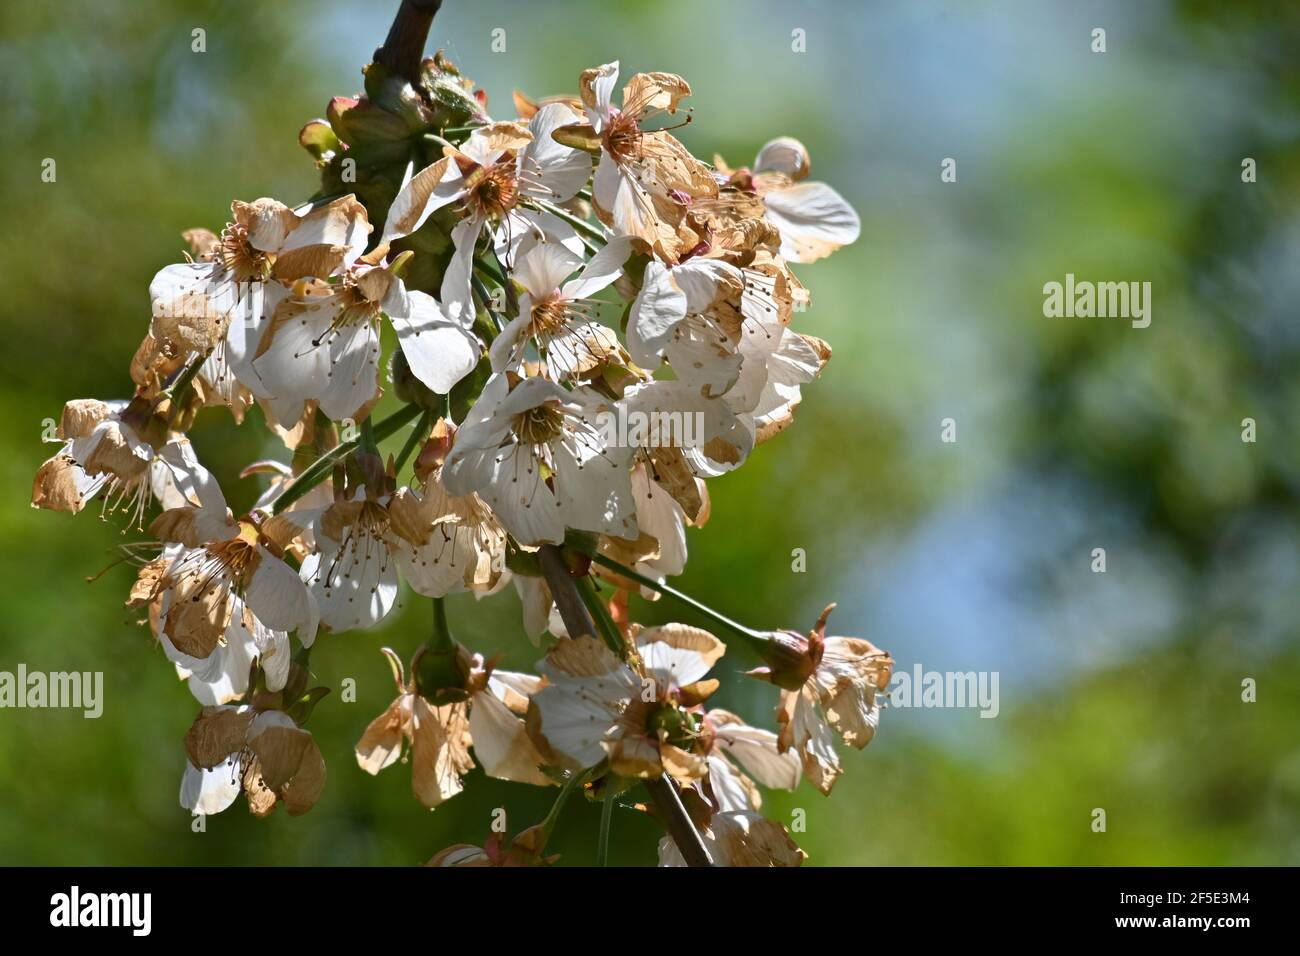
664 796
755 639
319 470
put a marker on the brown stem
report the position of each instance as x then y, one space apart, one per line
668 804
577 619
565 592
403 50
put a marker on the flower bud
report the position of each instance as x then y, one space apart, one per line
789 660
409 388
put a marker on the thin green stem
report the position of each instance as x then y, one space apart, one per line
685 599
412 441
496 272
609 632
485 300
435 138
441 639
368 441
576 780
319 470
580 224
602 841
177 389
491 270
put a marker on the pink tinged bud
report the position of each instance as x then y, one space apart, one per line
790 660
361 121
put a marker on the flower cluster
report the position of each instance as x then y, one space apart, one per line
541 277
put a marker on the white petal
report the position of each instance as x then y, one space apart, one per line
659 515
677 654
439 351
702 356
353 378
355 586
727 785
603 89
507 349
277 595
294 365
756 749
541 266
604 268
415 192
535 597
813 219
501 743
597 496
551 170
655 313
210 791
457 297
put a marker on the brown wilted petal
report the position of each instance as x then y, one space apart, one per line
216 733
148 582
381 744
261 799
301 793
202 242
320 240
502 744
268 222
505 135
744 838
411 201
115 454
177 525
55 486
439 754
198 616
80 417
655 91
281 751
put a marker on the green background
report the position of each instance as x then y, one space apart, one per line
1119 691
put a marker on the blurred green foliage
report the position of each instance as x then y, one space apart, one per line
1073 433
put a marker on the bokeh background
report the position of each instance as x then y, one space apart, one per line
1119 690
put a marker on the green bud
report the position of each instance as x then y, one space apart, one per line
441 675
319 139
357 122
409 388
466 392
578 136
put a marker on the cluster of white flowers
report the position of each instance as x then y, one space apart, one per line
541 276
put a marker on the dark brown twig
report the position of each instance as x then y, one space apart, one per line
565 592
668 804
403 50
578 621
